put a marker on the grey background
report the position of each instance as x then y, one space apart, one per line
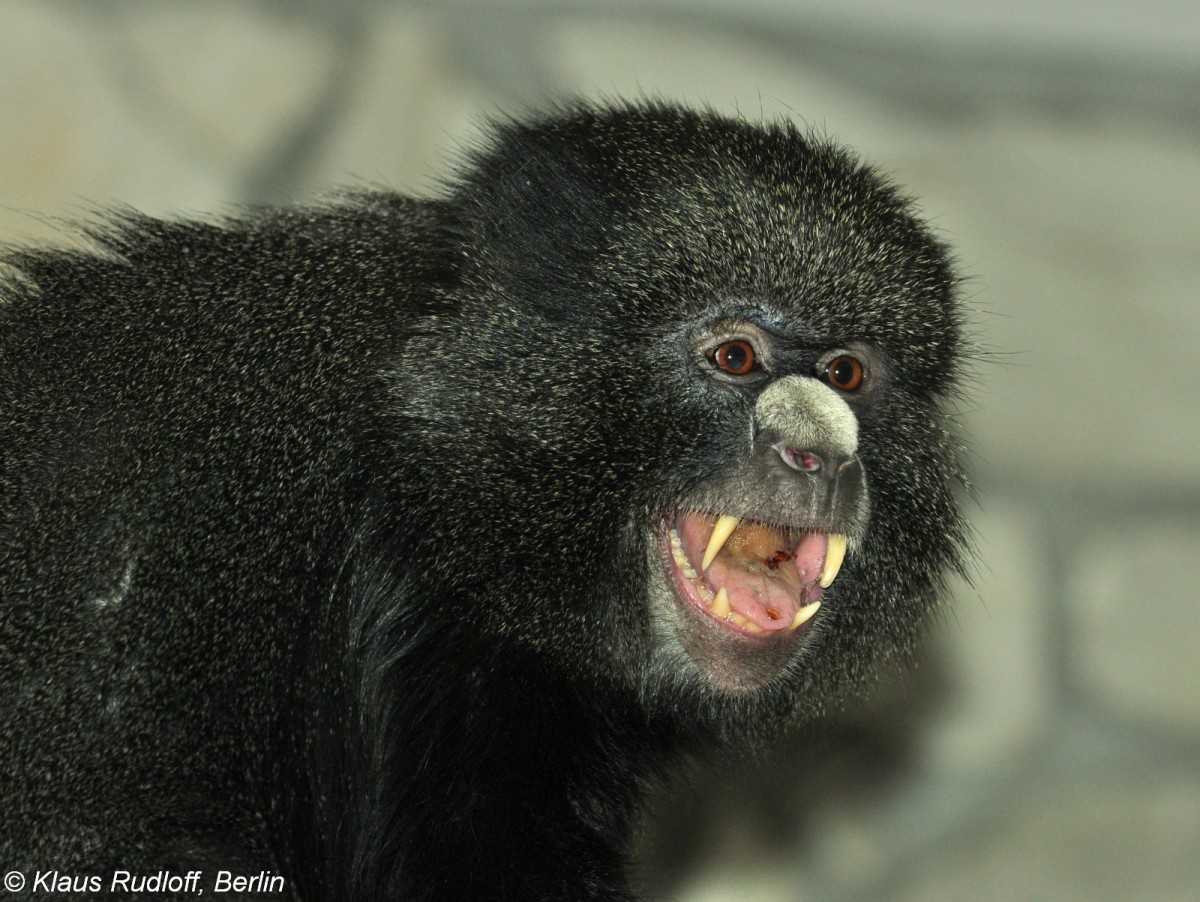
1048 746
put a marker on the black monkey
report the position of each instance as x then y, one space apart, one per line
378 547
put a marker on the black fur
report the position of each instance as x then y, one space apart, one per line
327 535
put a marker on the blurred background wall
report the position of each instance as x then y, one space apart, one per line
1048 746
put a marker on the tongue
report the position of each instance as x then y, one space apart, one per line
810 557
767 574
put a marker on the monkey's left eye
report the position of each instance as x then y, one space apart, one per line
736 357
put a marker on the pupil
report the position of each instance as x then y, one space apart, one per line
843 372
735 357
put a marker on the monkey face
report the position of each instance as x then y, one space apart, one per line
806 470
739 573
701 387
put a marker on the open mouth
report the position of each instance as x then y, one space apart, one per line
752 578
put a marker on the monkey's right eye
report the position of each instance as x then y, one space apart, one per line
736 357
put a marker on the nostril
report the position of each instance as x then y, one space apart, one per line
804 461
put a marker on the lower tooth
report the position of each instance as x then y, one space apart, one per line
742 622
804 615
720 605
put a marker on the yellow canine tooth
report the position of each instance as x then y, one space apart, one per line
720 605
835 553
804 615
721 532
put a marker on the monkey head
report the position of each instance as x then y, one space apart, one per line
685 396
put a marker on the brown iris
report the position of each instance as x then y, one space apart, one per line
735 357
845 372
